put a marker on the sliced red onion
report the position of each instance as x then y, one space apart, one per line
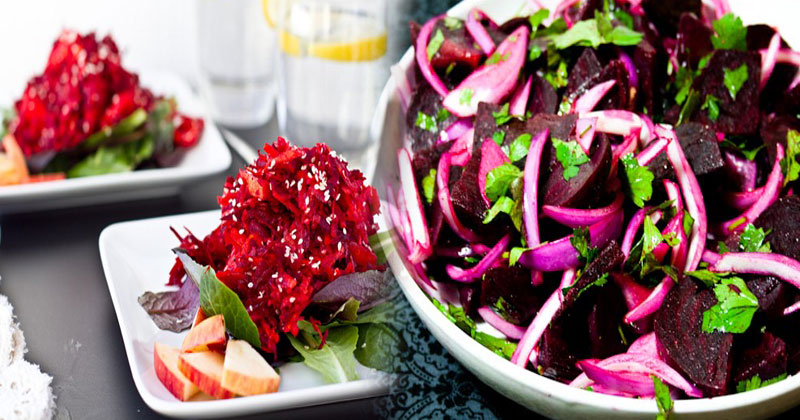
530 201
653 149
474 273
443 195
421 247
478 32
492 156
693 197
405 222
469 250
582 217
633 77
592 97
421 52
721 7
632 229
769 264
519 102
491 82
646 345
791 309
456 130
422 280
585 127
744 169
769 58
560 255
635 383
394 215
645 364
533 333
510 330
633 292
743 200
650 305
772 190
621 123
674 194
786 56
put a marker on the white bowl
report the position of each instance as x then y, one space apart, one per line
545 396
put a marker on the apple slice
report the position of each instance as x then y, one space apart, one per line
247 373
199 317
205 370
209 334
166 365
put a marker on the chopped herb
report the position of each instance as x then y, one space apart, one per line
449 68
595 32
452 23
712 105
519 147
755 383
651 236
752 240
442 115
498 137
742 147
502 205
497 58
557 77
515 253
429 186
734 79
734 309
502 116
722 248
537 18
789 164
435 43
738 222
571 156
672 239
466 97
709 278
663 399
425 122
730 33
688 223
639 180
689 107
456 315
581 241
535 52
599 283
499 179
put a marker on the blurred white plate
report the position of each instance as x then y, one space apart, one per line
209 157
547 397
136 258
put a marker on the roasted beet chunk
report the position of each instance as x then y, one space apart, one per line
457 47
783 219
738 116
703 358
584 69
665 14
584 187
765 358
694 40
543 98
468 201
427 159
774 130
649 67
587 324
486 126
508 291
426 104
588 72
699 143
773 295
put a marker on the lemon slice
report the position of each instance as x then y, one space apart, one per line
364 49
270 8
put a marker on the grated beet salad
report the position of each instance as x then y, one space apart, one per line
293 221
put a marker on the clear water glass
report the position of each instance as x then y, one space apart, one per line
236 51
333 65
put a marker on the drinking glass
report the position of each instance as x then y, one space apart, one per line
236 50
333 65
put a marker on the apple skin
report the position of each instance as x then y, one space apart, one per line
245 372
204 369
165 361
209 334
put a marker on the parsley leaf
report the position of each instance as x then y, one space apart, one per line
537 18
755 383
502 205
663 399
442 115
435 43
452 23
458 316
502 116
640 180
651 236
571 156
789 164
514 254
730 33
742 147
557 77
595 32
499 179
709 278
734 309
734 79
712 105
581 241
752 240
429 185
672 239
425 122
519 147
601 281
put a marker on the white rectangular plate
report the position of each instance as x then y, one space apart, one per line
209 157
136 258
